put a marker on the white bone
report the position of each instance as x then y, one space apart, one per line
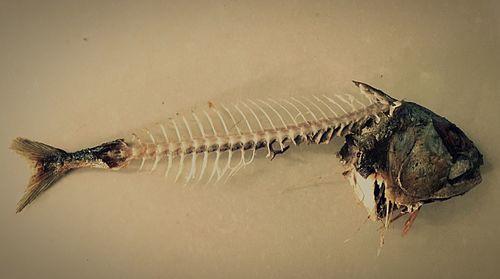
286 110
211 123
280 137
297 109
326 105
253 156
177 130
245 163
317 107
242 150
235 170
330 134
217 152
251 131
150 136
188 128
267 136
169 152
163 132
365 92
228 163
157 151
275 111
230 151
302 133
345 101
200 126
233 119
394 107
335 103
136 138
203 165
352 100
181 162
290 131
339 132
181 166
245 118
205 153
388 210
170 159
192 171
216 168
157 158
265 114
255 115
261 128
222 121
306 107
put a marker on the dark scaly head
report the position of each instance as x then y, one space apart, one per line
409 157
430 158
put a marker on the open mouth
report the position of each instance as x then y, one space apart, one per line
384 208
372 194
381 203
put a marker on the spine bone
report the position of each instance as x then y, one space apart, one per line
321 129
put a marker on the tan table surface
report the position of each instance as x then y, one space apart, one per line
77 74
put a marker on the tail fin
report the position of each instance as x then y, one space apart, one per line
46 165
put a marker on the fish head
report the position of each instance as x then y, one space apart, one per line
408 157
431 158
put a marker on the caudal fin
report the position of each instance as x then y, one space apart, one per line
47 167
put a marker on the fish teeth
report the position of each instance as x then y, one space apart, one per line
380 180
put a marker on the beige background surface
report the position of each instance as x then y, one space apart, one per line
74 74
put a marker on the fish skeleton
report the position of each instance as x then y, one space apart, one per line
398 155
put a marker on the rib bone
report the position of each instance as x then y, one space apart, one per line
272 121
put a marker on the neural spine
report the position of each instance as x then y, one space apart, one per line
252 125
